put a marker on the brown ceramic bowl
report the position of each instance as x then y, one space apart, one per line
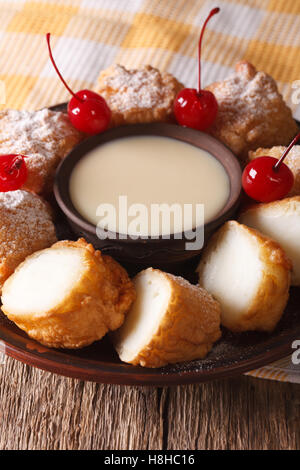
159 251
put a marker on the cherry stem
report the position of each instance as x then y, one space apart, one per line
212 13
278 164
57 71
15 165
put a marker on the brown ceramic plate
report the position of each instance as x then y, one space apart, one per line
233 354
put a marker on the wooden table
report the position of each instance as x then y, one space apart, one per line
39 410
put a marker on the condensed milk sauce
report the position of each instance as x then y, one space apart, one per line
144 171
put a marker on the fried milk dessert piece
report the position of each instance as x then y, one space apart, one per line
25 227
138 95
279 220
44 136
252 112
249 274
68 296
292 160
170 321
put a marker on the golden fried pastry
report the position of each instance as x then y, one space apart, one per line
170 321
68 296
138 95
279 220
292 160
44 136
252 113
249 274
25 227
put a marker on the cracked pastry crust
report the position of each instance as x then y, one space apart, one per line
25 227
292 160
96 295
252 112
138 95
44 136
249 274
170 321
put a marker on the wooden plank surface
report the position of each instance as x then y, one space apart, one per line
39 410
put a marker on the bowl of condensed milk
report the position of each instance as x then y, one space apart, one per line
149 194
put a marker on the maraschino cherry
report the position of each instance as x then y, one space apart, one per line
267 179
87 110
13 172
197 108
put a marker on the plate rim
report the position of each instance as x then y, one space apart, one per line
86 369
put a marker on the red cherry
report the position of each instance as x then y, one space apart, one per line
197 108
87 110
92 115
263 184
13 172
266 179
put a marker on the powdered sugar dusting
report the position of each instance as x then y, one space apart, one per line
138 88
44 136
252 112
248 95
33 132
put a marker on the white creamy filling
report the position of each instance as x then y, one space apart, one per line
43 281
234 273
145 315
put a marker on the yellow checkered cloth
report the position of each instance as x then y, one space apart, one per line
90 35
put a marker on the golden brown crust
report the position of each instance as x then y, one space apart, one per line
96 304
190 326
25 227
280 203
138 95
267 306
292 160
252 112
